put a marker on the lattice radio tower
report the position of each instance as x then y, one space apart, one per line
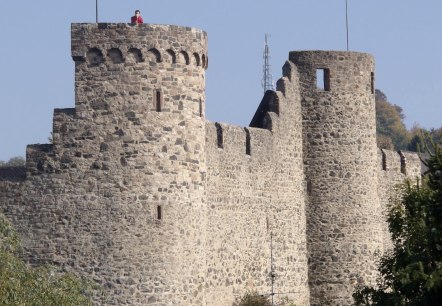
267 79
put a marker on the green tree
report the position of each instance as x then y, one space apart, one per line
390 128
412 273
21 284
15 161
420 138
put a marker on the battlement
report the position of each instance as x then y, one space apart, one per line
39 159
237 143
120 42
269 103
399 162
330 71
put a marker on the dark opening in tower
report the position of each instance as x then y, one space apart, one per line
219 136
323 79
247 141
158 100
201 108
384 161
159 212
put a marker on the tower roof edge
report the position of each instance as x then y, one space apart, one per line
112 25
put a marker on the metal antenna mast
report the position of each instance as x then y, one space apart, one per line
96 11
272 269
267 80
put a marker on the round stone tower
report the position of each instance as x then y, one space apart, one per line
136 140
339 132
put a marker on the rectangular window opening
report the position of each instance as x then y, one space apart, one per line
159 212
158 97
247 141
309 187
323 79
372 82
384 161
219 135
201 108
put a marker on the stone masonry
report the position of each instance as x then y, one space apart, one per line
157 205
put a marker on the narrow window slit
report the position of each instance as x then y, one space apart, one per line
159 212
372 82
384 161
219 135
201 108
247 141
158 100
309 187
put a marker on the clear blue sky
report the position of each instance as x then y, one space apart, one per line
37 72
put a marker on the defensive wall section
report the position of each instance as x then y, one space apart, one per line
157 205
393 167
255 192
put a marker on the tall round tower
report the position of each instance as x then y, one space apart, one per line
339 132
134 152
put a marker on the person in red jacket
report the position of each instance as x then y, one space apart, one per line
137 18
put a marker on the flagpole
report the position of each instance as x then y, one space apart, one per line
96 11
346 20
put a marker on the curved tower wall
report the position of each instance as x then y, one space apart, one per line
340 158
143 87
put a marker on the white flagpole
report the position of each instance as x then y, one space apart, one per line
346 20
96 11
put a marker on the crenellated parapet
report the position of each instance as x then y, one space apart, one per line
400 162
117 54
237 142
274 103
108 43
393 169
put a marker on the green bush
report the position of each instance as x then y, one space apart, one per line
253 299
256 299
21 284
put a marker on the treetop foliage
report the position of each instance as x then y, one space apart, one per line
15 161
391 131
390 128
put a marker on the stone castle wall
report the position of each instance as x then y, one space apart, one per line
162 207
